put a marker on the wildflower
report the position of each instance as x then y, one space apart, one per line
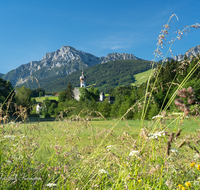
192 164
157 116
110 147
188 184
169 183
134 153
51 185
161 36
198 167
139 180
174 151
180 186
9 137
102 171
167 26
56 147
156 135
8 162
196 183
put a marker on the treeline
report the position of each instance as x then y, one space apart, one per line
164 82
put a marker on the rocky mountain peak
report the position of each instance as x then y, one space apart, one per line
118 56
194 51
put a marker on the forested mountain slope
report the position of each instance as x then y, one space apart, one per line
103 76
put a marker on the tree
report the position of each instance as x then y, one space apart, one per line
52 109
105 108
62 96
40 94
23 97
70 92
90 94
5 89
45 106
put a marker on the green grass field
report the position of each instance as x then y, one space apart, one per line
89 154
40 99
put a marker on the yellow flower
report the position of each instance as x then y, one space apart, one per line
192 164
188 184
139 180
180 186
198 167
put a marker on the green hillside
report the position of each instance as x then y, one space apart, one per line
103 76
142 77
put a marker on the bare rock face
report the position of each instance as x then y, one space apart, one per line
64 61
194 51
118 56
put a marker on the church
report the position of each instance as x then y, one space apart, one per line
82 84
111 100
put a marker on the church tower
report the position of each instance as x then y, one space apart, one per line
82 80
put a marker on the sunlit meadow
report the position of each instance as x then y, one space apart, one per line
80 153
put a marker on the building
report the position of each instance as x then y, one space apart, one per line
111 99
102 97
82 80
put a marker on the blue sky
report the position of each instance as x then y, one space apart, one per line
29 29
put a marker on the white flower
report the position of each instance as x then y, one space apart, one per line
169 183
157 116
23 136
175 151
51 185
156 134
102 171
134 153
197 156
9 137
12 123
196 183
8 162
110 147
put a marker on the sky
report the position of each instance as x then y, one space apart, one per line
30 29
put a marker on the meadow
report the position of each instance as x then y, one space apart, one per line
106 154
86 153
41 99
142 77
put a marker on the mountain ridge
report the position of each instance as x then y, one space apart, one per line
63 61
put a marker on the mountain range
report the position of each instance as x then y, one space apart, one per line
64 61
67 60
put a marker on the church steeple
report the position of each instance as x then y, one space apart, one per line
82 80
